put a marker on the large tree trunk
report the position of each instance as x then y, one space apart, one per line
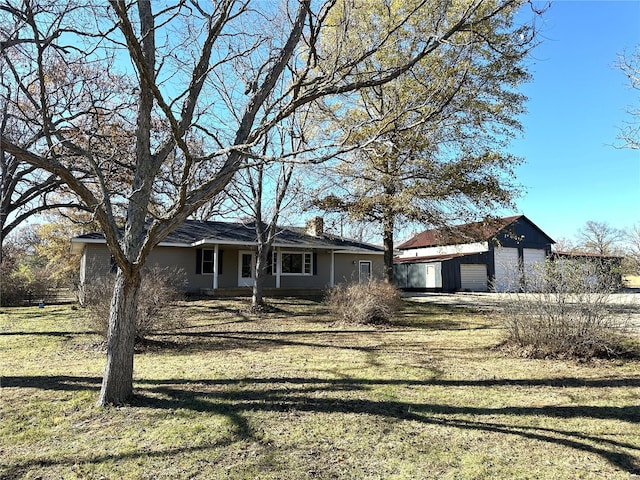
257 298
388 226
117 383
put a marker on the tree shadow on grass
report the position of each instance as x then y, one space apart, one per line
301 394
23 469
432 316
71 382
236 398
222 340
67 334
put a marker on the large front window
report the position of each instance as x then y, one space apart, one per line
294 263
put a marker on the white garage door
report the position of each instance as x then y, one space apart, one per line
473 277
533 260
507 272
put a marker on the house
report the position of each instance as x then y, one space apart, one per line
219 256
479 256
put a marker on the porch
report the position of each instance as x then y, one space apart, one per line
267 292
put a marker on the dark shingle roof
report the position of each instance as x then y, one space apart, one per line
195 232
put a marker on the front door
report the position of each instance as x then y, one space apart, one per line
365 271
246 268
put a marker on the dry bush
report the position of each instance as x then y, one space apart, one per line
159 291
568 312
369 303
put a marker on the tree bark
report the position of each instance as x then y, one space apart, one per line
257 298
117 383
388 220
388 225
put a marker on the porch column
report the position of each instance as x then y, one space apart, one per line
278 266
332 273
215 266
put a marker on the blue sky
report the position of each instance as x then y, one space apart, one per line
577 102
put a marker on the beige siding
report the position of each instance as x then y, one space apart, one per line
347 267
97 262
180 258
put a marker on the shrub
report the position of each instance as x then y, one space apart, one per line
370 303
567 313
20 283
159 290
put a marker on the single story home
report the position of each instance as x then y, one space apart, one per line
219 255
479 256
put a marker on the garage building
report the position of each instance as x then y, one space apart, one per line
496 254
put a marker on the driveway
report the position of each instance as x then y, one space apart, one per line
629 302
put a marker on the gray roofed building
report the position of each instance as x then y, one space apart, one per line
221 255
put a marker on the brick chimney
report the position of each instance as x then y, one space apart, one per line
315 227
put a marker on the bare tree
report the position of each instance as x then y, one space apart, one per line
565 244
629 135
226 72
262 181
632 249
600 238
25 190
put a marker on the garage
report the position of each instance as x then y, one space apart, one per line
473 277
533 260
507 272
500 254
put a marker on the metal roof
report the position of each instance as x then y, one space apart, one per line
469 232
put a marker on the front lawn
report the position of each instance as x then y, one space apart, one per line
294 395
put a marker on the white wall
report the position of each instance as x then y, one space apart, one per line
476 247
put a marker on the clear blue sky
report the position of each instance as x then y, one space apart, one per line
577 102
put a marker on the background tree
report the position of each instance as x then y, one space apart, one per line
435 138
253 186
24 270
600 238
226 72
632 251
264 192
25 191
564 244
53 234
629 63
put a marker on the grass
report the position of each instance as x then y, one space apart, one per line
294 395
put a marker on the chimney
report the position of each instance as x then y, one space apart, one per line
315 227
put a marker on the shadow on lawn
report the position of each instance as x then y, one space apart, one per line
244 395
221 340
68 334
23 469
301 394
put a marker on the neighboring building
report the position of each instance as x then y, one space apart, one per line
595 267
216 256
479 256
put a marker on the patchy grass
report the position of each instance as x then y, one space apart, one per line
293 395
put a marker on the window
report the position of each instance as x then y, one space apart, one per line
207 261
294 263
205 258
